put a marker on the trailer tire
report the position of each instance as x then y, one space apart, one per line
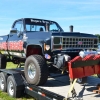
12 88
82 80
3 84
36 70
2 61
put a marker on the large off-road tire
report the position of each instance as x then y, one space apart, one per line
2 61
12 88
3 84
36 70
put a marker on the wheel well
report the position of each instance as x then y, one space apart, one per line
33 49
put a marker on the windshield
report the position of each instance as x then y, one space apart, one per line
41 25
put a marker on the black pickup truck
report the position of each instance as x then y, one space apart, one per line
43 46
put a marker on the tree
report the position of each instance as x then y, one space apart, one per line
98 35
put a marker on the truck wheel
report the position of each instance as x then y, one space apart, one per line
12 88
2 82
36 70
82 80
2 61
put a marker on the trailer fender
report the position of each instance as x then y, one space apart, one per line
15 85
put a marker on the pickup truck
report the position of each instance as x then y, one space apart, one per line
44 47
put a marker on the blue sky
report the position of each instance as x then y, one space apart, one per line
84 15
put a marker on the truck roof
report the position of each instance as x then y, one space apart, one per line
36 19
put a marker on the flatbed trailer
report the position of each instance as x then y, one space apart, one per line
56 87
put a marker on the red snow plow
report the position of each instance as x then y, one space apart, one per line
82 67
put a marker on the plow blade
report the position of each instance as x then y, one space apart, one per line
82 67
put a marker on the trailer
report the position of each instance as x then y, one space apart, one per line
57 86
14 82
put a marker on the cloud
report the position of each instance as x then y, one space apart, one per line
72 2
78 17
4 32
6 18
87 2
87 26
83 29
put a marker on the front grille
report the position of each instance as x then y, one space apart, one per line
75 42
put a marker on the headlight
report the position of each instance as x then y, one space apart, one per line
57 43
57 40
47 47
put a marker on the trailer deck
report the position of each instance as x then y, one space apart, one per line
60 85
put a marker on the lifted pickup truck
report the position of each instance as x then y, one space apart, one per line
45 48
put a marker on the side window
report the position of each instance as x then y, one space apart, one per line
19 26
30 27
34 28
40 28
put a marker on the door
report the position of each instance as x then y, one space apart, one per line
15 43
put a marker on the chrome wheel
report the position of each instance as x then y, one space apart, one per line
1 83
31 70
11 88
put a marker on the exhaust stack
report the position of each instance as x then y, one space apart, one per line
71 28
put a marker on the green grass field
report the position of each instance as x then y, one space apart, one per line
5 96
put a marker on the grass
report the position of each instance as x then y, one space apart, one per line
5 96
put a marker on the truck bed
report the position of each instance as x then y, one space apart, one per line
60 84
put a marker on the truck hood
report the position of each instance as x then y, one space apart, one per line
38 37
74 34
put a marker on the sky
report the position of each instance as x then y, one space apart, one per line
84 15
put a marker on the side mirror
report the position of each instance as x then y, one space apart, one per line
19 34
13 30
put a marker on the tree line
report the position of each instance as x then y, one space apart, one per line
98 35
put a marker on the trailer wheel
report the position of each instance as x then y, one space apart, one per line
82 80
12 88
2 61
36 70
3 85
